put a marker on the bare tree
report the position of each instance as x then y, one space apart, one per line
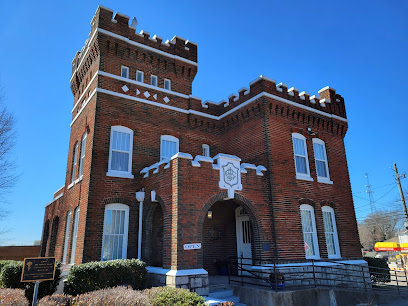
379 226
8 174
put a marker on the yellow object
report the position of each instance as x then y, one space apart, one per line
387 246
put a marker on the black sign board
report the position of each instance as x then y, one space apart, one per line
38 269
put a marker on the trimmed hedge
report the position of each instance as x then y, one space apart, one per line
12 297
56 300
379 270
11 274
104 274
163 296
112 296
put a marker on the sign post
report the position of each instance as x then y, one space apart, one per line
38 269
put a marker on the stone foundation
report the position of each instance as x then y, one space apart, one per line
195 280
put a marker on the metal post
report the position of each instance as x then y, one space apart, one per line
365 285
314 274
35 293
276 277
396 278
404 206
242 277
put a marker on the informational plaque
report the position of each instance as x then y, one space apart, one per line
38 269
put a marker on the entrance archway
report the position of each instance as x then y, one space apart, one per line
229 223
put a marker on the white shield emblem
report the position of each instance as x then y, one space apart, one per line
230 174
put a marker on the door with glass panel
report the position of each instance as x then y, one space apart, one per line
244 239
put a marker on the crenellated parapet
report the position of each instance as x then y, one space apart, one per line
119 24
326 100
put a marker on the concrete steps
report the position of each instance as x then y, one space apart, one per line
220 294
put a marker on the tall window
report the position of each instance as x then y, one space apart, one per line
82 158
74 235
139 76
124 72
322 167
74 162
168 147
309 231
115 232
120 153
67 231
300 154
153 80
206 150
167 84
330 231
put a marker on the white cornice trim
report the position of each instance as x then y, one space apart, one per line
191 111
113 76
146 47
83 106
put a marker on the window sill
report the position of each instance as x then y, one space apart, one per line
324 180
304 177
120 174
70 185
313 257
334 257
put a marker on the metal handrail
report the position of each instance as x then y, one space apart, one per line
315 273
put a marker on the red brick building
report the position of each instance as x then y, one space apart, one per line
262 173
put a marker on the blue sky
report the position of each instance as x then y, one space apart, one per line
359 48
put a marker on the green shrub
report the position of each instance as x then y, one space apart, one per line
11 275
112 296
12 297
56 300
104 274
163 296
379 270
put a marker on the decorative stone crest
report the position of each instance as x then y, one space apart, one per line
230 173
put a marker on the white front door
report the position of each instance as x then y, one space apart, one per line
244 238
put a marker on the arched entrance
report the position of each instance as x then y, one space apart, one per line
227 232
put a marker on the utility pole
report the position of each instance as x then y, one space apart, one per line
370 194
401 194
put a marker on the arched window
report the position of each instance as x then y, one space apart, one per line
322 166
300 155
74 162
169 145
309 231
120 153
115 232
82 158
75 235
67 231
330 232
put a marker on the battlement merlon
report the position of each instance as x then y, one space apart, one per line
118 24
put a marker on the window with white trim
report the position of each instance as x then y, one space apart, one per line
120 152
74 163
153 80
169 145
82 157
322 167
74 235
167 84
139 76
300 155
206 150
67 232
330 232
115 232
309 231
124 72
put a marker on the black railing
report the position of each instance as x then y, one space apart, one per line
282 275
